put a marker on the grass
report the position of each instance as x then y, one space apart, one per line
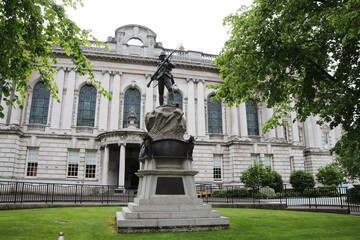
99 223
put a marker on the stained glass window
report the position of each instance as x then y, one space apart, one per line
178 100
252 118
87 105
214 116
131 101
39 104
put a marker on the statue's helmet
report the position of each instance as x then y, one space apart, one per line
162 54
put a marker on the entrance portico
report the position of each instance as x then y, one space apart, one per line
119 156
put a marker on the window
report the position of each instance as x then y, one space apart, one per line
73 164
217 167
178 100
90 170
325 138
131 99
254 159
32 162
39 104
252 118
214 116
86 107
268 161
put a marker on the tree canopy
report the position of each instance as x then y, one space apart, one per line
305 52
29 30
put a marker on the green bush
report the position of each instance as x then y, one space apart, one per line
267 192
300 180
331 174
231 193
258 175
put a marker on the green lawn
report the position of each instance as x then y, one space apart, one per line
99 223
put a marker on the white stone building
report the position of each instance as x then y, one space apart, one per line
86 138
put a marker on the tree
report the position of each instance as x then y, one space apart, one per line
302 52
258 175
300 180
331 174
29 30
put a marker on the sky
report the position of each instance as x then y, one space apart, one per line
197 24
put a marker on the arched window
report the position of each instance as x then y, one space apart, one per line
178 100
131 99
39 104
87 105
214 116
252 118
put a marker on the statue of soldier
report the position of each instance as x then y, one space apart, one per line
165 78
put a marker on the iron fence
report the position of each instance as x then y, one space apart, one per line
20 192
336 197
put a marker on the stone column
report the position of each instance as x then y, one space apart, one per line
149 103
234 121
269 113
122 165
56 107
115 103
309 135
317 132
243 121
201 131
105 165
104 102
294 125
280 132
15 112
69 100
191 108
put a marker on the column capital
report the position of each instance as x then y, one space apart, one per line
70 69
200 81
122 144
119 73
106 72
190 79
59 68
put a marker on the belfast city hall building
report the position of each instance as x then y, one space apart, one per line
85 138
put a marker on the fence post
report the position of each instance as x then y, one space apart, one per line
52 194
47 192
102 195
75 192
81 190
22 193
16 187
348 200
341 203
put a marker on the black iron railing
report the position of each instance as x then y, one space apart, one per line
20 192
336 197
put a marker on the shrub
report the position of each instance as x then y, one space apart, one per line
301 180
331 174
231 193
258 175
267 192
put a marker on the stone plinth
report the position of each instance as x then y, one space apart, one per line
167 199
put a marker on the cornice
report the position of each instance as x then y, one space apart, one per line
119 58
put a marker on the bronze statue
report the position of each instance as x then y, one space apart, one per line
165 78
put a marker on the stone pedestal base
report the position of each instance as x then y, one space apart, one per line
167 201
